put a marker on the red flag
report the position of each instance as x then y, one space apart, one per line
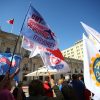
11 21
57 53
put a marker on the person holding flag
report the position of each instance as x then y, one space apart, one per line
5 85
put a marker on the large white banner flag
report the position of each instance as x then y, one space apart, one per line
91 65
92 33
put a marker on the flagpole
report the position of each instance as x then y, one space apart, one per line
12 28
14 52
25 16
17 39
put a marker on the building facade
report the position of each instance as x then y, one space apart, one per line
75 51
8 44
28 65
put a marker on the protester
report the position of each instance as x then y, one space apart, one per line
66 89
47 87
36 91
79 87
5 86
60 81
18 93
80 77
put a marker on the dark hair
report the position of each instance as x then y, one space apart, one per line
36 88
74 76
79 75
46 78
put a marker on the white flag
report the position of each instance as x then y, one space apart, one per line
35 52
92 33
54 63
91 65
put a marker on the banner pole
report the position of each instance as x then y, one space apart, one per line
25 17
17 41
14 52
12 28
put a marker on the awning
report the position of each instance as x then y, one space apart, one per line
42 71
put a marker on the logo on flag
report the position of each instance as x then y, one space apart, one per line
95 69
54 60
37 30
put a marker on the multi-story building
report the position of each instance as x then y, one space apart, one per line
28 65
75 51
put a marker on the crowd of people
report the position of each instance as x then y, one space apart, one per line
72 89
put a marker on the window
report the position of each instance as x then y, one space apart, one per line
72 52
68 53
79 56
24 77
71 49
72 55
77 50
78 53
7 50
77 47
64 55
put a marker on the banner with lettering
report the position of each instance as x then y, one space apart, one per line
36 29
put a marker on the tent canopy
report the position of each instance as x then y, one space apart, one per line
42 71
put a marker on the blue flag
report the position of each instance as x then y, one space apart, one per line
36 29
5 63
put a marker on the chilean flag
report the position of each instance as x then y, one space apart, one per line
11 21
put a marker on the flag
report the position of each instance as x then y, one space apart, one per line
53 62
30 46
11 21
91 65
5 63
52 59
36 29
92 33
27 44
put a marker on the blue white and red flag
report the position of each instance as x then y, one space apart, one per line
54 62
5 63
36 29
